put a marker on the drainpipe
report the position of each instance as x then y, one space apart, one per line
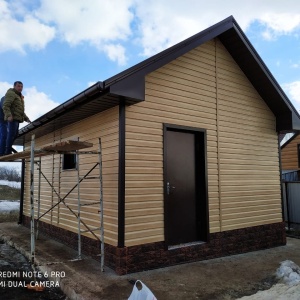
22 192
280 175
287 205
121 176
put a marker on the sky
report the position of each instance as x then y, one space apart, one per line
58 48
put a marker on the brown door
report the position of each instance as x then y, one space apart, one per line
183 209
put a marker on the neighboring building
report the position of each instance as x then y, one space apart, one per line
290 163
290 153
284 137
190 155
290 158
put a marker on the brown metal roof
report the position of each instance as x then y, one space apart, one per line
129 85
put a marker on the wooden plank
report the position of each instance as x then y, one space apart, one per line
67 146
61 146
15 156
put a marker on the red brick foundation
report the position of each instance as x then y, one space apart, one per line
155 255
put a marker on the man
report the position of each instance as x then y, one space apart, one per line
3 129
14 113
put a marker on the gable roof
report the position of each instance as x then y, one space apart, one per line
129 85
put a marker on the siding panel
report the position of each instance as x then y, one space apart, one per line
249 164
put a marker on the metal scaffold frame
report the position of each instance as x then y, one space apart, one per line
67 147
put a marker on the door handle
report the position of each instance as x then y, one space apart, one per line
169 187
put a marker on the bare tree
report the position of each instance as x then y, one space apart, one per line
10 174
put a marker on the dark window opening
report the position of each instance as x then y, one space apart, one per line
69 161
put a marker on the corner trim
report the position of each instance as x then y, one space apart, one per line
22 192
121 175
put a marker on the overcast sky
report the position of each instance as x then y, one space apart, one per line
58 48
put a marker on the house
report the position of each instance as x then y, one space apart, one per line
190 155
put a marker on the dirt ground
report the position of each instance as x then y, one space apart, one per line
224 278
14 288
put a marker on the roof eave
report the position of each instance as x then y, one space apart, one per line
79 99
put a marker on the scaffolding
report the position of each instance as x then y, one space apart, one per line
66 147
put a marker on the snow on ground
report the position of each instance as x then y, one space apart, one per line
289 272
287 288
7 205
14 184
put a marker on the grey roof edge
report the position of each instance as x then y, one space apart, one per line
62 108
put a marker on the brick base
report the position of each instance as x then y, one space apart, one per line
155 255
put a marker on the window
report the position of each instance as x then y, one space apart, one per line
69 161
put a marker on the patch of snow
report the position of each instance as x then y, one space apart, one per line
14 184
289 272
7 205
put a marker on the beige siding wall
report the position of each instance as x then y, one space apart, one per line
248 151
289 155
105 126
205 89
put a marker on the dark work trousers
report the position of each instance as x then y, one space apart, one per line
3 136
12 133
